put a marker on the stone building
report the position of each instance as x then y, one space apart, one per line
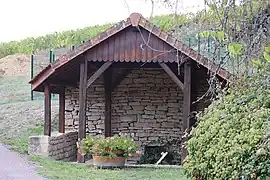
135 79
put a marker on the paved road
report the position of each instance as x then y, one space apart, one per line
15 167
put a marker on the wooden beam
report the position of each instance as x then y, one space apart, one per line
47 110
62 110
82 105
186 105
108 101
120 78
172 75
92 79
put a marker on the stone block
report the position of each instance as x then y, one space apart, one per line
38 145
137 107
149 112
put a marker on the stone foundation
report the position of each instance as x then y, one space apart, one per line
62 147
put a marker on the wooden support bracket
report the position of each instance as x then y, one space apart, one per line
92 79
120 78
172 75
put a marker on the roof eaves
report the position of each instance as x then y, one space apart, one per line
179 45
46 72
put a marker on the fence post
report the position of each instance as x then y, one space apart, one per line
32 75
189 42
51 56
51 61
199 43
208 44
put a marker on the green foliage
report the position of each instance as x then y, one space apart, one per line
235 49
110 146
231 139
266 53
219 35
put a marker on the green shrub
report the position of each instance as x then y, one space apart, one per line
231 140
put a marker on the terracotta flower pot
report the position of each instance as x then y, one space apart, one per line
107 162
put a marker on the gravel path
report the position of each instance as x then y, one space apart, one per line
15 167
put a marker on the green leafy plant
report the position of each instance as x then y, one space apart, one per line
108 147
231 140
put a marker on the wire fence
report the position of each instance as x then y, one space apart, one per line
206 46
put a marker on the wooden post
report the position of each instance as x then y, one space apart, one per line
108 101
47 110
186 105
62 110
82 105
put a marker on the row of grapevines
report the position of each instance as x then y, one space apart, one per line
68 38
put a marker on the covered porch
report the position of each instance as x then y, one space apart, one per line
134 79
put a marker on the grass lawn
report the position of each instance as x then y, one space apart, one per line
52 169
21 118
61 170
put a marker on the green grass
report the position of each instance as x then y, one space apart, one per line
21 118
20 144
64 171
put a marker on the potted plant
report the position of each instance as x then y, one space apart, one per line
108 152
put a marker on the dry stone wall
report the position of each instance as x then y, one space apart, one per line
63 147
147 105
94 111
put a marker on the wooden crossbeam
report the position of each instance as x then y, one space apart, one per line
172 75
120 78
92 79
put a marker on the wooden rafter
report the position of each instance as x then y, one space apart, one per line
103 68
172 75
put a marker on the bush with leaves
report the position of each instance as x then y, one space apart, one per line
232 138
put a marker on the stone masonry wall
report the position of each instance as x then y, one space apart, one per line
63 147
94 112
148 106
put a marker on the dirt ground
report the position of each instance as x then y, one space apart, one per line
15 65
